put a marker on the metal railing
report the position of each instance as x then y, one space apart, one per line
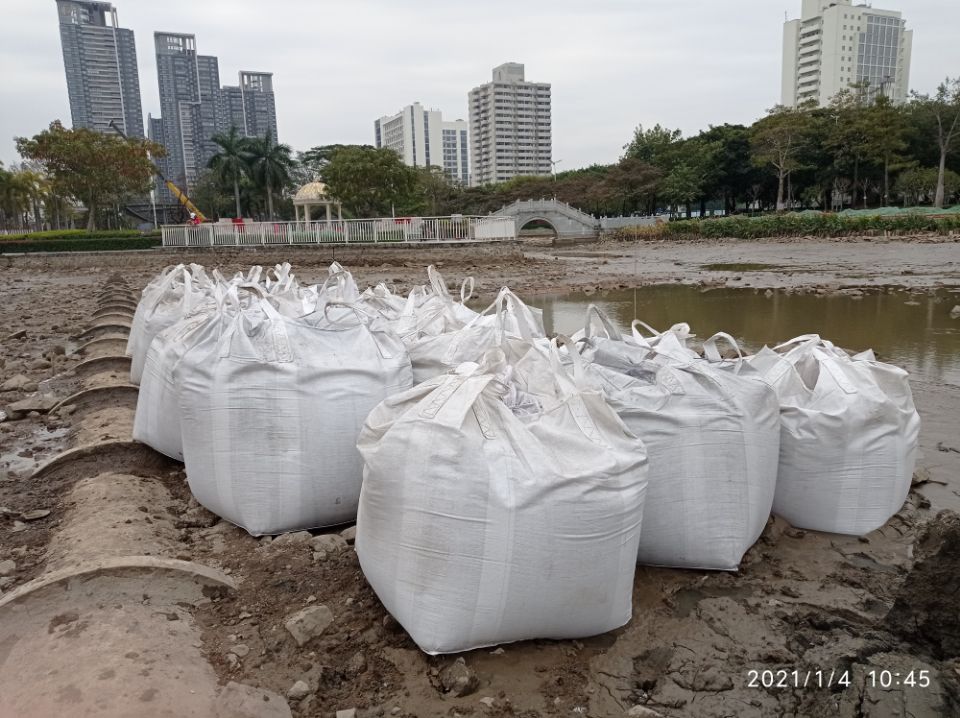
390 230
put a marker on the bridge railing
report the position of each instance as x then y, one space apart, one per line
456 228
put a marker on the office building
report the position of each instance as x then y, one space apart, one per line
836 45
100 59
423 138
510 127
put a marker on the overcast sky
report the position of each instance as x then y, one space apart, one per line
339 65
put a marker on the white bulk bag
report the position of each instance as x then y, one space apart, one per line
712 436
508 315
147 298
487 516
271 410
849 436
176 297
157 419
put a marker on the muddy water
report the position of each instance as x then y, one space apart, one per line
914 331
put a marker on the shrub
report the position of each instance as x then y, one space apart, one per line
76 234
81 245
794 225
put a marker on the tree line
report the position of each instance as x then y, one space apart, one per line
860 151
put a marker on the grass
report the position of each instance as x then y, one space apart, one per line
74 234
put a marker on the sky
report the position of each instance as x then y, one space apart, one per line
338 66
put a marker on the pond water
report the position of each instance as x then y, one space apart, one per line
914 331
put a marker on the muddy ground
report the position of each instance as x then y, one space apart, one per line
802 601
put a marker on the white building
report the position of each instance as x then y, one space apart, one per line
510 127
423 138
836 44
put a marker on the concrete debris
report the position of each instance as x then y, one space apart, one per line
298 691
349 535
35 515
295 537
7 567
17 382
955 312
241 650
459 679
643 712
332 543
308 623
347 713
39 404
488 702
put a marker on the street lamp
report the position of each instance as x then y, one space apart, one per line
554 164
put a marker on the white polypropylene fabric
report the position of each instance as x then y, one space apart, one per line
271 410
173 298
435 354
849 436
712 434
157 420
489 516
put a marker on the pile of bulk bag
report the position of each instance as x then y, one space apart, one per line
712 436
849 436
271 407
490 515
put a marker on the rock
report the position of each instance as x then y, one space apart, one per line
18 526
357 663
308 623
39 404
349 535
7 567
236 700
643 712
241 650
198 517
298 691
955 312
40 364
292 538
332 543
67 410
459 679
22 334
35 515
488 702
347 713
5 582
15 383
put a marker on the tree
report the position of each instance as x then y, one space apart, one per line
94 168
920 183
434 186
270 165
651 146
777 140
232 162
370 182
734 172
886 142
942 110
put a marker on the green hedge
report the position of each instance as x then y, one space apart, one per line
795 225
81 245
76 234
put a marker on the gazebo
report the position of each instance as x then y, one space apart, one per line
312 195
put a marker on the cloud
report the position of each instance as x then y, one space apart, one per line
339 65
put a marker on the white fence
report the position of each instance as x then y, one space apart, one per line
351 231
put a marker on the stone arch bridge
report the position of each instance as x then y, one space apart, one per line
567 221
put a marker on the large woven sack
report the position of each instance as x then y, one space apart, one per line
712 433
433 354
489 515
849 436
175 297
271 410
148 298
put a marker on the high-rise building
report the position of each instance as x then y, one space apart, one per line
423 138
510 127
249 106
836 45
100 59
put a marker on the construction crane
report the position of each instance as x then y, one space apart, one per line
174 190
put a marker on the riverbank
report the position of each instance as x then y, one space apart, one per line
802 601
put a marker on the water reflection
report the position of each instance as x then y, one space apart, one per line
914 331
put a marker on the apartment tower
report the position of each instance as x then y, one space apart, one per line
249 106
836 45
100 59
423 138
510 127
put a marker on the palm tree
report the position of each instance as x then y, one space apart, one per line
270 165
232 162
